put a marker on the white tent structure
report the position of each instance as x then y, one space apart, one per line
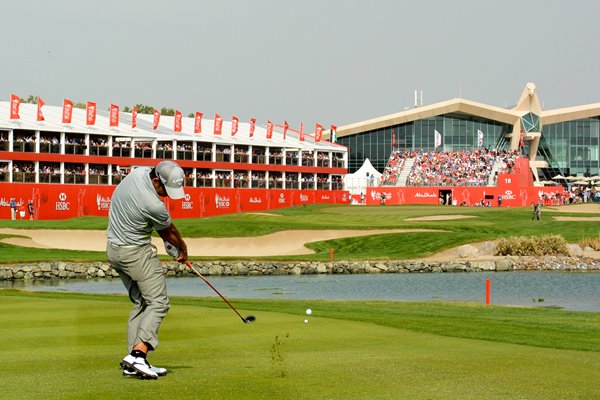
365 176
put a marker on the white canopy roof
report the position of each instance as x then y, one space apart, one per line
53 123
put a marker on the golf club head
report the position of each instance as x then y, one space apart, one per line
249 318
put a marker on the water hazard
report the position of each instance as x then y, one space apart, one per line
570 291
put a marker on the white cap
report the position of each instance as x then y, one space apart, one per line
172 177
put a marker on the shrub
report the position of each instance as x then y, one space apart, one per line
593 242
532 246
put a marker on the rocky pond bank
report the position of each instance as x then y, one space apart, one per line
467 261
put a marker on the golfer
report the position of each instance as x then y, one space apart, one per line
137 209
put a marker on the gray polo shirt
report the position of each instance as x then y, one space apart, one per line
136 210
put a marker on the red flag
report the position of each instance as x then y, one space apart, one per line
301 133
318 132
252 126
114 115
269 129
393 140
15 102
156 119
234 125
40 116
178 116
285 129
218 124
67 111
198 123
522 139
90 113
134 117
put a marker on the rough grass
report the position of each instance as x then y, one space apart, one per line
67 346
532 246
593 242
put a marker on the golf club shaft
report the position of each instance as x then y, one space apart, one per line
215 289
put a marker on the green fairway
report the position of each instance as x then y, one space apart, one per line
485 224
67 346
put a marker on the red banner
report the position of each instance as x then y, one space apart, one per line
286 126
318 132
198 123
218 124
67 111
156 120
114 115
178 116
269 129
90 113
15 102
301 133
40 104
134 117
69 201
252 126
234 125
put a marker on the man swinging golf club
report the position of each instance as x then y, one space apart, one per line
137 209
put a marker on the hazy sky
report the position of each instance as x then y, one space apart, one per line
312 60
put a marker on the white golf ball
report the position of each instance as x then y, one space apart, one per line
308 311
306 321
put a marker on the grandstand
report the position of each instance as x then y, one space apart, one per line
70 169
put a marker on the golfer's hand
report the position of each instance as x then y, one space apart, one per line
182 258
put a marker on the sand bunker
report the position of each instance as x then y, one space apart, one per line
279 243
578 219
440 217
585 208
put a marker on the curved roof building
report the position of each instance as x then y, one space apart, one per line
562 141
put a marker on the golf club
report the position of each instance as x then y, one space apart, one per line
246 320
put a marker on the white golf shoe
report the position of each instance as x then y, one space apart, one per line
138 366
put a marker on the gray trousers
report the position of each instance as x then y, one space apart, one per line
145 280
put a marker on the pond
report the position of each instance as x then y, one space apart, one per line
571 291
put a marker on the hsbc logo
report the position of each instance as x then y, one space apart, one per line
186 204
63 204
508 195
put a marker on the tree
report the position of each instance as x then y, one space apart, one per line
126 109
80 105
167 111
30 99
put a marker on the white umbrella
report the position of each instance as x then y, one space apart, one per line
572 178
558 177
581 183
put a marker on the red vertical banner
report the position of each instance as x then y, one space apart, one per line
318 132
301 132
67 113
235 122
134 117
114 115
40 104
252 126
15 103
90 113
156 120
269 129
198 122
178 116
286 126
393 140
218 124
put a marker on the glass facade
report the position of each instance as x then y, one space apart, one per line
573 146
458 133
